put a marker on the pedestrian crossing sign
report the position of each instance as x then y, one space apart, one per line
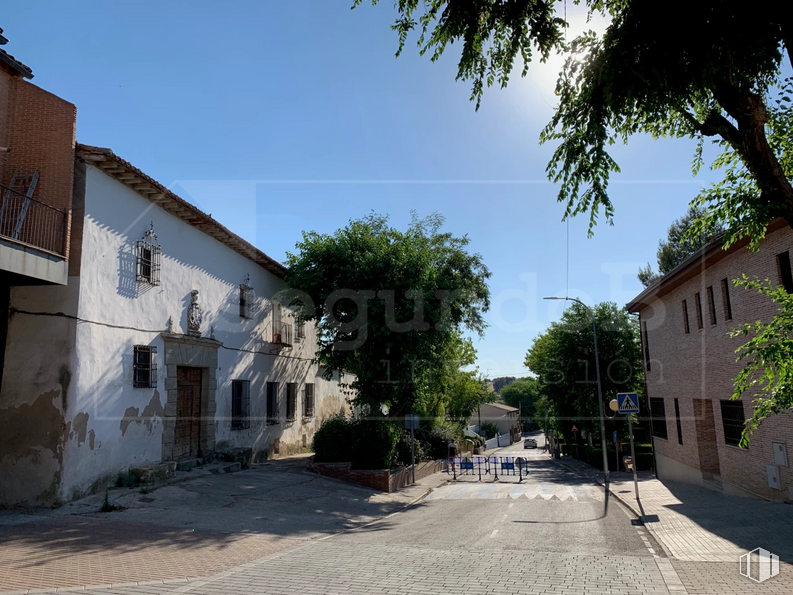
628 403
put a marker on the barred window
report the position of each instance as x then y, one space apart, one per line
300 329
698 304
725 297
711 305
308 401
240 404
272 402
732 419
148 258
144 366
246 299
291 401
658 418
686 327
679 425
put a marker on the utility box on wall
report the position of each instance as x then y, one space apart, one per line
780 453
773 477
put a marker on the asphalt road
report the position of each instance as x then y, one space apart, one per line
553 510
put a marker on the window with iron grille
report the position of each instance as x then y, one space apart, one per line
785 273
698 304
732 419
300 329
679 425
144 366
148 258
686 327
711 305
308 401
272 402
291 401
725 298
246 299
658 418
240 404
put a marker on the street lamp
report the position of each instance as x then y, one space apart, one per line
597 374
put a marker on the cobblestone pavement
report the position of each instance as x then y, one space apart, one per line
722 578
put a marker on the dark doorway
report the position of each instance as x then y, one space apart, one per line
187 433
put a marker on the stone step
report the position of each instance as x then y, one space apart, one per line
226 468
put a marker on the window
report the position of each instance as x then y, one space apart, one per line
144 366
732 418
308 401
272 402
658 418
300 329
148 258
646 347
711 306
685 318
246 299
679 426
785 274
698 304
725 298
291 401
240 404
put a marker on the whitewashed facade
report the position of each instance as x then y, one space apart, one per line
72 415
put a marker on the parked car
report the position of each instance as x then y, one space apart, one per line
529 443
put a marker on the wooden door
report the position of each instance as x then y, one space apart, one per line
187 434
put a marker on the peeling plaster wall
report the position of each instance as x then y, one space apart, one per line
121 426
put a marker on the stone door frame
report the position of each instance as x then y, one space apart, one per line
193 352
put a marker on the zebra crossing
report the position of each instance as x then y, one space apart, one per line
516 491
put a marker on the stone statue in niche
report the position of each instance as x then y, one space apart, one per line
194 315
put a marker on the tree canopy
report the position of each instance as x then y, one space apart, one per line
563 359
523 393
390 306
674 68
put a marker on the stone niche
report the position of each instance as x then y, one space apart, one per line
194 352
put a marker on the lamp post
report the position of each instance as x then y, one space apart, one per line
597 375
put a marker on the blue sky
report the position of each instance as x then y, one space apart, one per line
278 117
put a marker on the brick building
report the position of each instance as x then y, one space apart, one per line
690 364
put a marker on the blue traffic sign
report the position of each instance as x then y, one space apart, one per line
627 403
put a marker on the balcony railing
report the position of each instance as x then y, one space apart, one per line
282 334
31 222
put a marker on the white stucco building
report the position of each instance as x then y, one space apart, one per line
166 343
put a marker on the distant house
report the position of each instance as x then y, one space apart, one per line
506 418
690 364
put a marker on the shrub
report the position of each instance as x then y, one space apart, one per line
488 429
403 449
437 439
374 443
332 442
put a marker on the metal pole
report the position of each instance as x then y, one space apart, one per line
412 452
633 458
600 396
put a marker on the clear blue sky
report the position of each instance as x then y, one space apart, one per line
278 117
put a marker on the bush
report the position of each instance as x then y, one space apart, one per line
403 449
374 443
437 439
332 442
488 429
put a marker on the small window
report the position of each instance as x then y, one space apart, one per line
308 401
291 401
711 306
272 402
658 418
679 425
785 274
686 327
732 419
144 366
646 347
240 404
698 304
300 329
148 258
725 298
246 299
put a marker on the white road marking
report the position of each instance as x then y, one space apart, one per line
494 533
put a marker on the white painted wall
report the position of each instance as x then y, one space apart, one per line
124 425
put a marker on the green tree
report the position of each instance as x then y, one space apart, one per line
389 304
523 393
684 238
678 69
563 359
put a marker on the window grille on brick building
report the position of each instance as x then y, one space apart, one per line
698 304
679 425
686 327
240 404
725 298
658 418
711 305
148 258
732 419
144 366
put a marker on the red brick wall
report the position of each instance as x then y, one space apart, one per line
701 365
6 86
375 479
